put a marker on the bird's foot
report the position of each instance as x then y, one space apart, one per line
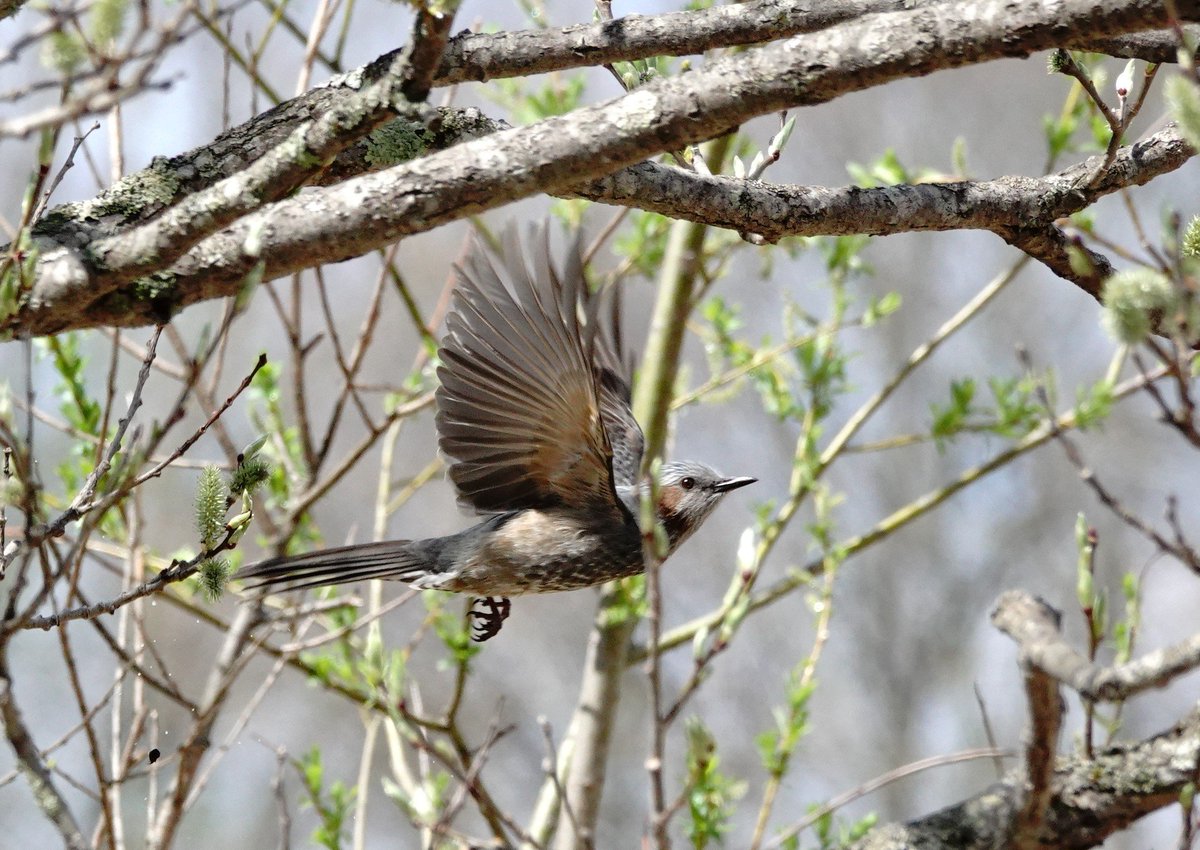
487 615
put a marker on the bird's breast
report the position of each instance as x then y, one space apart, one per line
536 551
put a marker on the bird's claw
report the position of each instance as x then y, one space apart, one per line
487 615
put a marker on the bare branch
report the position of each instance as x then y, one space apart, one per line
369 211
1034 625
279 171
484 56
844 799
83 501
1091 799
29 759
1041 745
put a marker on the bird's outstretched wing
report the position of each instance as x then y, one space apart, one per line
614 373
524 407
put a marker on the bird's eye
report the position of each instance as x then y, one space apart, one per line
687 483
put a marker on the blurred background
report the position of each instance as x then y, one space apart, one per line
911 654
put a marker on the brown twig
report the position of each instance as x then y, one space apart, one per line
1041 745
550 769
177 571
84 500
29 760
871 786
988 733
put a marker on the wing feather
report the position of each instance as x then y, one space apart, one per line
524 411
614 373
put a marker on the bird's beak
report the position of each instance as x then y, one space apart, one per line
733 483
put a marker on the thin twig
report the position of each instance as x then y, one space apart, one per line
550 768
886 779
987 730
83 501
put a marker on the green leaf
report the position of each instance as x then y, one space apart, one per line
879 308
1187 795
644 242
1017 409
1058 131
885 171
950 419
332 807
453 629
1093 404
958 157
711 794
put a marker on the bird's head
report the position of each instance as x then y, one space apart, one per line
687 493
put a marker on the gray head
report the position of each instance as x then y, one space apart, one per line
688 492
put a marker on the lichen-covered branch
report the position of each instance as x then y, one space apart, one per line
1090 799
486 56
364 213
1034 625
1081 801
150 247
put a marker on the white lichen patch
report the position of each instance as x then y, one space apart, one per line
639 109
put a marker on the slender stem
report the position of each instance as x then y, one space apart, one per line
886 779
31 764
586 744
808 671
919 355
651 405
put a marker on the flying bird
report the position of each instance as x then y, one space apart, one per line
534 415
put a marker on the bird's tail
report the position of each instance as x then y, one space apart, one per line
391 559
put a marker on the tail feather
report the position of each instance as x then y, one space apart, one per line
390 559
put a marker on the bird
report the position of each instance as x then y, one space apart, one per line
534 416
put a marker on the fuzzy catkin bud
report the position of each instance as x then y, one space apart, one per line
1191 238
212 575
211 505
1131 300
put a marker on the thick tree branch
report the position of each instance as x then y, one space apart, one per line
1012 207
1075 802
1021 210
364 213
145 193
486 56
307 149
1090 799
774 210
1047 244
474 56
1158 46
